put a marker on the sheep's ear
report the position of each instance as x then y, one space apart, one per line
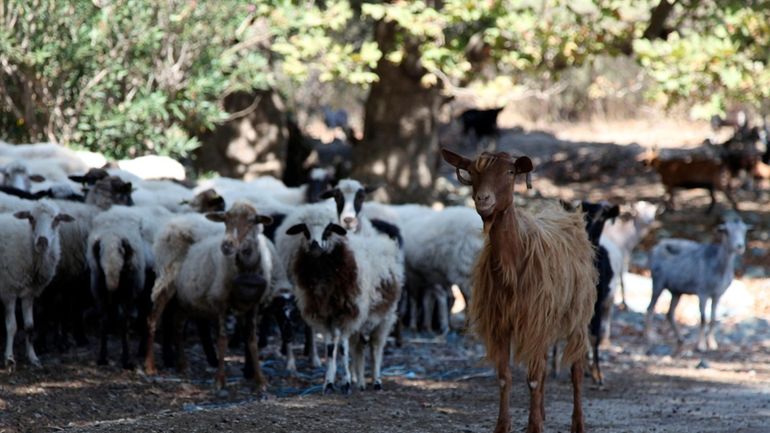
328 194
371 188
567 206
217 217
23 215
338 229
297 229
523 165
263 219
126 188
78 179
455 160
217 202
64 218
36 178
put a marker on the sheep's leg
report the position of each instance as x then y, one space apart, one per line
428 301
702 333
29 329
10 331
181 357
443 310
105 310
577 404
152 323
345 387
123 323
358 361
259 378
379 338
204 335
711 341
504 375
670 316
412 323
331 362
536 384
311 348
657 289
219 380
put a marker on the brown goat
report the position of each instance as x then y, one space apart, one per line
690 172
533 284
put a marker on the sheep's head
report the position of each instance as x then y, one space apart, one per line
349 195
207 201
243 224
44 220
320 235
734 234
108 191
492 177
17 175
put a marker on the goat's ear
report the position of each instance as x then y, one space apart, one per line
455 160
263 219
217 217
64 218
328 194
371 188
36 178
23 215
750 227
297 229
721 228
613 212
338 229
125 188
523 165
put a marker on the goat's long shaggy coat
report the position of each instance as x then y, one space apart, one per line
548 287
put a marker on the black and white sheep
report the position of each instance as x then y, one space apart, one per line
347 287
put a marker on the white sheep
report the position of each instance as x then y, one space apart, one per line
200 269
153 167
347 287
30 254
440 249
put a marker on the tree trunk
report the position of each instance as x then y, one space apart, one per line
400 143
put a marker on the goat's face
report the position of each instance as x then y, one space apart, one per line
349 195
492 177
645 212
596 214
319 182
734 234
320 237
44 221
242 227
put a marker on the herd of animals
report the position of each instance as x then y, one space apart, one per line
129 256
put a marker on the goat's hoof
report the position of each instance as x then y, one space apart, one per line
101 361
345 388
10 364
329 388
377 386
503 427
35 363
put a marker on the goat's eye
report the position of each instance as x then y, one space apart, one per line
464 177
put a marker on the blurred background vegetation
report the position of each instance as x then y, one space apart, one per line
132 77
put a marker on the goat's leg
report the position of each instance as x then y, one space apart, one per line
713 200
623 270
657 289
577 405
502 363
204 335
345 387
670 316
710 340
251 329
670 200
555 370
219 380
413 307
728 193
152 324
596 369
606 319
10 331
702 332
331 362
535 378
179 321
29 329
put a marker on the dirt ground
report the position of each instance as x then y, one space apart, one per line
437 384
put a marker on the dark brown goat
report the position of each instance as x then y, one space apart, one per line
533 284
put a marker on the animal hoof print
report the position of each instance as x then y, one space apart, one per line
377 386
329 389
346 389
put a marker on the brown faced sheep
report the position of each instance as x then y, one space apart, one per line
533 284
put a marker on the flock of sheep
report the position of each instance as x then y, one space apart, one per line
146 255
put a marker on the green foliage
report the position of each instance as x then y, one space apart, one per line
721 56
